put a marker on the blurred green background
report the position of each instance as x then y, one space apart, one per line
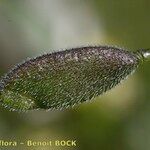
117 120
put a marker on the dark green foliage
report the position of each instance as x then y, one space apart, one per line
66 78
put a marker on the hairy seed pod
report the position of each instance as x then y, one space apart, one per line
65 78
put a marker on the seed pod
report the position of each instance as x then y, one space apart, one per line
65 78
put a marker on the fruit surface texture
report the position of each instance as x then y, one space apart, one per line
65 78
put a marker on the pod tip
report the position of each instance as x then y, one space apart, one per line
144 53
